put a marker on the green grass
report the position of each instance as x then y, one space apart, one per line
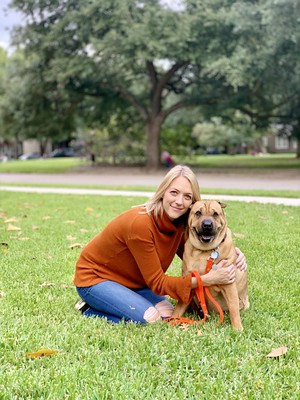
238 162
44 166
270 161
97 360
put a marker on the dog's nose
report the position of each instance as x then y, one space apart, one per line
207 224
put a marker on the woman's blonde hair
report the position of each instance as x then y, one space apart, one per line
155 203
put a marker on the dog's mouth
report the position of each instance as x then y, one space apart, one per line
204 237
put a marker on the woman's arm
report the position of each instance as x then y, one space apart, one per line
222 275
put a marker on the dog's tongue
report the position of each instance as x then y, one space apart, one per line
206 238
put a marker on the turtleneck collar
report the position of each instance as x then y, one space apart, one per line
165 225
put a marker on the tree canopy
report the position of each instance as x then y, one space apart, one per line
218 55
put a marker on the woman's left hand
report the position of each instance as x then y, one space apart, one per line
241 260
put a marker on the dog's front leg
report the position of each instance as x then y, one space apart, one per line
180 309
230 294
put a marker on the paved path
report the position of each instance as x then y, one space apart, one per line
272 180
279 180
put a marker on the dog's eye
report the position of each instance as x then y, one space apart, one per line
215 214
198 213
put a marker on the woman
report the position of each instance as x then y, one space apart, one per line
120 274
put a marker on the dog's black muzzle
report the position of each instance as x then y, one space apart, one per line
206 232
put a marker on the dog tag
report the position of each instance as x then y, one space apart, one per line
214 267
214 254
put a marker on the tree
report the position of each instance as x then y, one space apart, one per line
153 57
209 53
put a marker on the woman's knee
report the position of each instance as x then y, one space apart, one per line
165 308
152 315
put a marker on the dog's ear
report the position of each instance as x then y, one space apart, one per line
223 205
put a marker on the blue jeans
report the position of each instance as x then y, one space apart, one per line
117 303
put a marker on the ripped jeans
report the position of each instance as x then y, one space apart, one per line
117 303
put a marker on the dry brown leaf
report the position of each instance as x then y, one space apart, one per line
46 217
83 230
75 245
13 219
11 227
2 294
70 222
41 353
285 212
35 228
24 238
239 235
199 333
64 286
278 352
89 209
46 284
70 237
3 214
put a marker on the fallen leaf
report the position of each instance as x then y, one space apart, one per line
70 237
90 210
11 227
46 284
83 230
263 218
285 212
35 228
13 219
239 235
278 352
41 353
2 294
24 238
70 222
75 245
46 218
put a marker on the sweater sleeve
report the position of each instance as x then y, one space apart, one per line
144 251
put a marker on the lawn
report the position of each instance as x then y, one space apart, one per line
237 162
41 237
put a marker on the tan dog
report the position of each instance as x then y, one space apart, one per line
209 236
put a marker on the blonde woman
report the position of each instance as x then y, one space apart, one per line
121 274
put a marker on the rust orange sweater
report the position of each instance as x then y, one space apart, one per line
135 249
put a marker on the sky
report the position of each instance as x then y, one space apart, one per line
8 19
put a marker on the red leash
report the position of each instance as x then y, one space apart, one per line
200 292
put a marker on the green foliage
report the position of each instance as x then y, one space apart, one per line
97 360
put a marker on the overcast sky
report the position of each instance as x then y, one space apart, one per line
8 19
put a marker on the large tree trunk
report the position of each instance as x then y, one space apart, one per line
152 130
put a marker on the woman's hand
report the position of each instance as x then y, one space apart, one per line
220 276
241 260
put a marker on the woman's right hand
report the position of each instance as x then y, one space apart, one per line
220 276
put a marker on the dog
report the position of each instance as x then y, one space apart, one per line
208 236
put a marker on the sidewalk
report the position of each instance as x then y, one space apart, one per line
273 180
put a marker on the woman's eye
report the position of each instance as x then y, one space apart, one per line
188 197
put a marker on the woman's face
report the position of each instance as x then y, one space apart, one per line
177 198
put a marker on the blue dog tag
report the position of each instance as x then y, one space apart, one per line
214 254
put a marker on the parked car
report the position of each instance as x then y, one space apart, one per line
63 152
30 156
